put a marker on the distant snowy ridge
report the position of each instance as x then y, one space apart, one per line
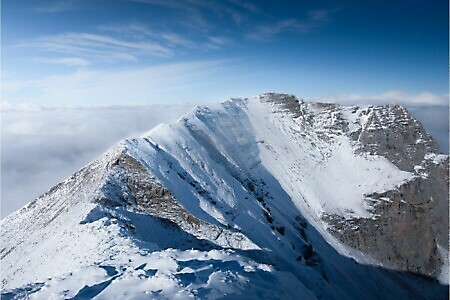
250 197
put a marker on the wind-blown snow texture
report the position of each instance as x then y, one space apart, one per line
255 198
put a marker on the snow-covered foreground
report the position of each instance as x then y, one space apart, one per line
226 203
106 259
105 262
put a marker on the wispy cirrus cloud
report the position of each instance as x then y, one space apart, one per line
248 6
120 42
193 17
177 40
196 27
313 20
66 61
132 29
98 47
58 6
200 10
216 42
142 31
170 39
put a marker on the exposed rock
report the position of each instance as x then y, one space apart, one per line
410 222
151 197
390 131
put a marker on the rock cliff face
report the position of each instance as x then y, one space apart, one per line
269 197
410 225
408 229
392 132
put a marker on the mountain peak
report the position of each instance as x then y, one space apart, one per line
280 196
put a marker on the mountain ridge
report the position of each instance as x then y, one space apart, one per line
246 175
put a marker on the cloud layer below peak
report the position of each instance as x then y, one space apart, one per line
389 97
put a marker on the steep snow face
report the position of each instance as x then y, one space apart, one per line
252 148
221 204
316 164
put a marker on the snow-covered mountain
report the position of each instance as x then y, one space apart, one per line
263 198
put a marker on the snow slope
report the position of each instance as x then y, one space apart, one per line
226 203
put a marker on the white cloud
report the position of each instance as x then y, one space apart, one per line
98 47
388 97
6 106
114 87
134 29
169 38
117 43
436 121
66 61
58 6
42 146
250 7
199 11
318 15
192 16
216 42
177 40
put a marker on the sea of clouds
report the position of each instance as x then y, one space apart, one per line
42 146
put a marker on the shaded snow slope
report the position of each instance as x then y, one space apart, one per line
237 200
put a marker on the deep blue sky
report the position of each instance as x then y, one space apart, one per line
142 51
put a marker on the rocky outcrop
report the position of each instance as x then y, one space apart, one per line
410 224
390 131
147 195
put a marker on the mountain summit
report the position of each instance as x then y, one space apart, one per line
264 198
